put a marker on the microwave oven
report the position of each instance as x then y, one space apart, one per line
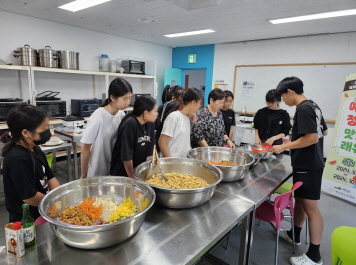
133 67
6 107
57 108
84 107
135 97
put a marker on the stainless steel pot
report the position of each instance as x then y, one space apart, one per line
48 57
262 155
26 56
182 198
68 60
242 160
97 236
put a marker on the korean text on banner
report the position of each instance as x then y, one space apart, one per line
339 178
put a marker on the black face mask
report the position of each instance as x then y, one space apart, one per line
44 137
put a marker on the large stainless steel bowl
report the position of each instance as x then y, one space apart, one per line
182 198
242 160
97 236
262 155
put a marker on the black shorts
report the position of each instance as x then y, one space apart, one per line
311 179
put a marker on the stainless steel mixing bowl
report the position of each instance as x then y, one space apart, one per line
182 198
263 155
97 236
242 160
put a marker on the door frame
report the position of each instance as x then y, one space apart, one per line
206 93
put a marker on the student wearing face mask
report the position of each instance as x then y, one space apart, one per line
100 134
135 138
27 175
209 129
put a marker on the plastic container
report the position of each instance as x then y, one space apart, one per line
104 63
14 240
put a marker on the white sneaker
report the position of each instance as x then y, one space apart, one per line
283 234
304 260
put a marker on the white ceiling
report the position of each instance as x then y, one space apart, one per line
233 20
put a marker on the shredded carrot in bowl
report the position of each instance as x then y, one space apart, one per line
88 207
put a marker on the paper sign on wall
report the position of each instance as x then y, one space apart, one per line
220 84
247 88
339 176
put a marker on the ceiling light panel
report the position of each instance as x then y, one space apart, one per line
204 31
81 4
341 13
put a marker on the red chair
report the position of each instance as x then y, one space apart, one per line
272 213
40 220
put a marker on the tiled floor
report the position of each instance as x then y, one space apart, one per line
336 213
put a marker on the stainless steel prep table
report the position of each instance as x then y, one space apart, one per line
258 184
261 180
74 140
166 237
61 147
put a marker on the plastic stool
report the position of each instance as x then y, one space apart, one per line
285 187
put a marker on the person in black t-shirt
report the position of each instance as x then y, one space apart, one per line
27 176
271 123
228 114
308 132
135 138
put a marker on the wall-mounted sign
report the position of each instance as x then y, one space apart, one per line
192 58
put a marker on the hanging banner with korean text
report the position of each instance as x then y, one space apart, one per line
339 178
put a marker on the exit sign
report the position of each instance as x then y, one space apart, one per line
192 58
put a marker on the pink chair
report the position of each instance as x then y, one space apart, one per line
40 220
272 213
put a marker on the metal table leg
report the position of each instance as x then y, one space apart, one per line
244 240
69 164
250 236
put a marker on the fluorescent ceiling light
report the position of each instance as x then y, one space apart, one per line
189 33
341 13
81 4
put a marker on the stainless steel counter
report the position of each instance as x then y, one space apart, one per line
53 149
166 237
260 181
175 236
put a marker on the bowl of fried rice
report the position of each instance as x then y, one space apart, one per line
97 212
190 182
232 162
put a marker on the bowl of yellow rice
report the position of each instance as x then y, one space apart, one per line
191 182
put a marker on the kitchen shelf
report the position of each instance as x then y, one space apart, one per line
14 67
66 71
148 82
131 75
83 72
